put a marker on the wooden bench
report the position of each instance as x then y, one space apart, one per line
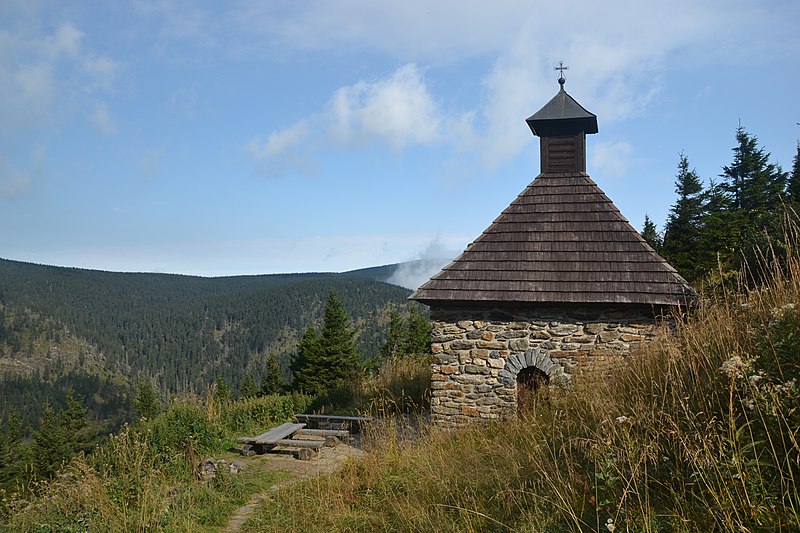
282 436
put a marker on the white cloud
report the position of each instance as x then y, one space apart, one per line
428 263
611 158
15 183
150 163
398 109
47 75
101 71
615 52
65 42
279 142
102 120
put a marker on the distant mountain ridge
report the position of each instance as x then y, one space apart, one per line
180 332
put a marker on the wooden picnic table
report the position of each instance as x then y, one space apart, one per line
353 424
292 436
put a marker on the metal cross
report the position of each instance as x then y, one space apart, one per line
561 67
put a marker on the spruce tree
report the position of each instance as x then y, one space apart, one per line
49 450
249 389
793 187
337 342
717 239
306 365
409 333
418 334
757 191
13 452
61 435
650 234
146 400
272 382
326 360
682 232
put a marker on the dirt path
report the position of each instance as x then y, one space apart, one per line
328 460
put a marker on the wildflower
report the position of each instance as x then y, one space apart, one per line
735 367
610 525
622 419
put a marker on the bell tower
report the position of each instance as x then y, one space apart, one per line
562 125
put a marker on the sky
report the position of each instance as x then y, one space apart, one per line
255 137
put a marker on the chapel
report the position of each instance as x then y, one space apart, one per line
559 287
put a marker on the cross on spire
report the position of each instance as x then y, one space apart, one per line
562 68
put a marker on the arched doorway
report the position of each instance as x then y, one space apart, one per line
532 390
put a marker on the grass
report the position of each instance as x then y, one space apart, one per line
142 478
699 433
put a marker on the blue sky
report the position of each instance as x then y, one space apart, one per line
244 137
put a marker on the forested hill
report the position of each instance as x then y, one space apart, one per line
63 326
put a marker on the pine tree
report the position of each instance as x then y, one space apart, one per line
13 454
306 364
682 232
51 445
650 234
272 382
61 435
337 342
325 361
418 336
717 239
146 401
409 333
222 392
757 190
755 185
249 389
793 187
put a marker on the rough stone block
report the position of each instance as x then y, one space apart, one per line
495 363
581 339
462 345
491 345
464 324
475 369
595 328
609 336
515 334
474 379
563 329
469 411
518 345
448 369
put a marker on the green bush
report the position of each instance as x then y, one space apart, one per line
249 415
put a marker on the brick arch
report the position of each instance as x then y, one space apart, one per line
537 358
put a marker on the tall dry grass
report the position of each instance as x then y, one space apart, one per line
699 433
142 478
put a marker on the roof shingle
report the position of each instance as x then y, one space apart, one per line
561 240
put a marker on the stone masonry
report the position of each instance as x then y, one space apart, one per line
478 354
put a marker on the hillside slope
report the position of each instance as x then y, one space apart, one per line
180 332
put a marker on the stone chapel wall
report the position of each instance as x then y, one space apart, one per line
477 354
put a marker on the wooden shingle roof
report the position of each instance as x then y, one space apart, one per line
561 241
